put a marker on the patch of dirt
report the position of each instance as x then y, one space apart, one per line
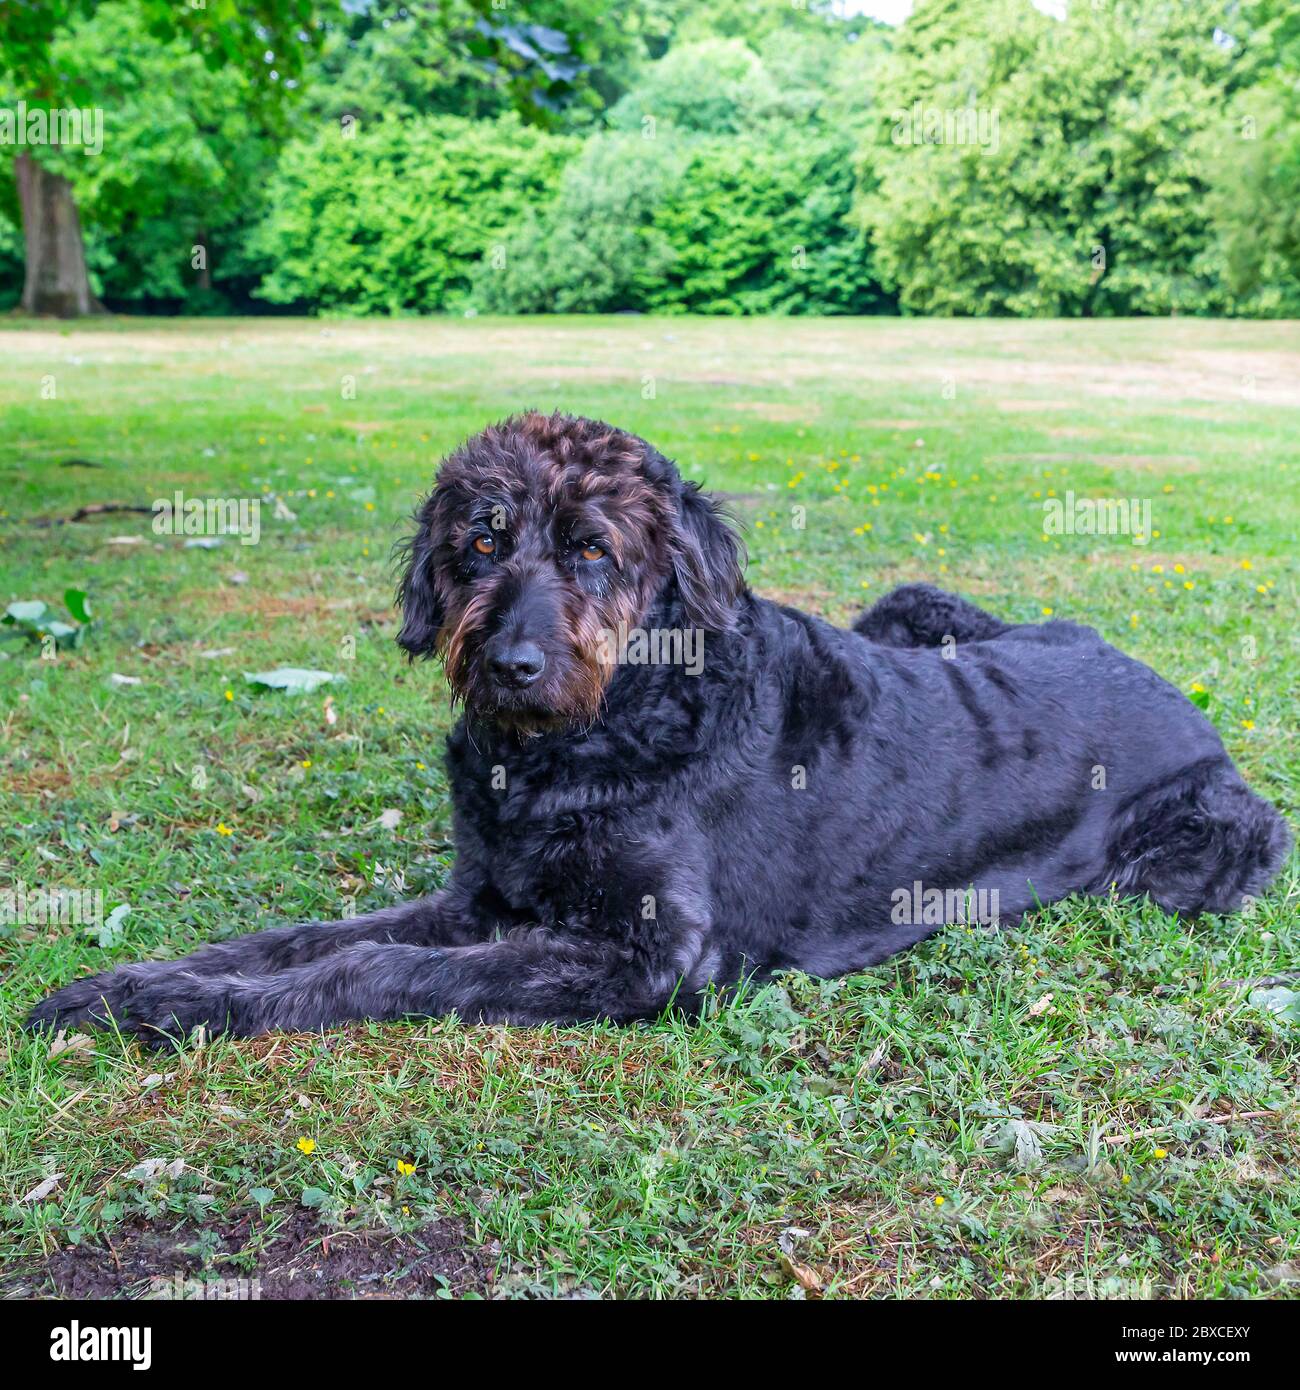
1154 462
38 780
302 1260
812 599
773 410
246 599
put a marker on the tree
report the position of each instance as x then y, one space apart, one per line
1253 162
268 40
1030 166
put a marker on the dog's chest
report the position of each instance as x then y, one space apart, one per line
550 846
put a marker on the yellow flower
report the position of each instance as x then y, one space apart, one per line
370 506
224 829
1126 1179
1247 723
1047 612
230 694
306 762
306 1146
405 1169
938 1201
1178 569
1162 1153
1246 565
1197 688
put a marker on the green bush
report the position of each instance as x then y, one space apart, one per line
394 216
594 248
11 244
721 225
761 226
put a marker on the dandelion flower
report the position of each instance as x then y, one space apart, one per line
306 1146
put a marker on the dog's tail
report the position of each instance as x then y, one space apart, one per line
919 615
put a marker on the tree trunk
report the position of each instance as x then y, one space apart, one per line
56 281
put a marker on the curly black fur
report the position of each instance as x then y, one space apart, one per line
630 835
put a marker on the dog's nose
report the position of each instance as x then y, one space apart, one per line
518 665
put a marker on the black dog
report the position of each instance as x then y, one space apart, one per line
631 831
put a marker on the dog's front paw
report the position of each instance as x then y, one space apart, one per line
95 1000
172 1008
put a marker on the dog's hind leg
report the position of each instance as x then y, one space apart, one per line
1201 843
444 919
919 615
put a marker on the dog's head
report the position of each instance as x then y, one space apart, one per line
542 536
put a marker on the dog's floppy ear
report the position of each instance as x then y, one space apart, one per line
417 593
707 560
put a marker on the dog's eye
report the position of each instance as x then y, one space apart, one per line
485 545
593 552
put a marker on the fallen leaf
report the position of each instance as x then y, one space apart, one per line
803 1275
43 1189
390 819
1041 1006
78 1043
294 679
1283 1003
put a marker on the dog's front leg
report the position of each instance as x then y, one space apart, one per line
532 979
448 918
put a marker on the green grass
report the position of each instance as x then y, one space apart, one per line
929 1127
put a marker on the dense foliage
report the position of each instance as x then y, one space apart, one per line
1141 157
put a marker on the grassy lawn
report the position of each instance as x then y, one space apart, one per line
1089 1104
